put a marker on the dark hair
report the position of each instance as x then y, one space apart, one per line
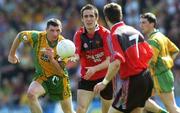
151 18
89 7
113 12
53 22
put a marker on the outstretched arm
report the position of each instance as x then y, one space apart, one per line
112 71
96 68
57 66
12 58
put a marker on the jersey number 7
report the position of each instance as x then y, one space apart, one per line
136 38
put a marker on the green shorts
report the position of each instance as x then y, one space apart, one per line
164 82
58 88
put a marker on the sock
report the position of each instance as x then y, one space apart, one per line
164 111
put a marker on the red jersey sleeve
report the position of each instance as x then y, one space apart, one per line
77 42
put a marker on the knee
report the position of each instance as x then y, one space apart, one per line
81 109
31 96
67 109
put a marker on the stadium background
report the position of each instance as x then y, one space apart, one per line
17 15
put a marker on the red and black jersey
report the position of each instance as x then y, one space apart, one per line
131 49
92 49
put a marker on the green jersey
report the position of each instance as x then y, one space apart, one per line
163 50
38 41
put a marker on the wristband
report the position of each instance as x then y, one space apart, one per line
105 81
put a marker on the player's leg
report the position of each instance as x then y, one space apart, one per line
85 94
113 110
67 106
145 84
106 96
138 110
169 102
84 99
164 85
59 89
105 105
34 91
134 93
152 106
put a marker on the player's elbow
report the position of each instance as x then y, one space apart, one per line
116 64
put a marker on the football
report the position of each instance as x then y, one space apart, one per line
65 48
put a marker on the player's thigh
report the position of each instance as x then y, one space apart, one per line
138 110
105 104
58 87
84 97
66 104
36 88
107 92
164 82
113 110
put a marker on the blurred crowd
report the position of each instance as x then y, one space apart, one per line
18 15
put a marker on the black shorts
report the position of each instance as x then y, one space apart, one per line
134 92
88 85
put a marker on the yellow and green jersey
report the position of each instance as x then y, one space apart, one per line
38 41
163 51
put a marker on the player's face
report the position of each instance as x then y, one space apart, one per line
53 32
89 19
145 26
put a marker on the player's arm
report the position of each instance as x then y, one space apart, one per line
50 53
77 42
74 58
12 58
57 66
102 65
30 37
117 57
173 49
96 68
156 48
112 71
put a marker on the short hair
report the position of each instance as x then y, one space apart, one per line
151 18
89 7
113 12
53 22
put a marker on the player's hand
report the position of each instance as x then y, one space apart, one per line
99 87
90 71
74 58
49 52
13 59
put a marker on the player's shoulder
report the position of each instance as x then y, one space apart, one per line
80 30
30 32
40 32
60 37
103 29
159 37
